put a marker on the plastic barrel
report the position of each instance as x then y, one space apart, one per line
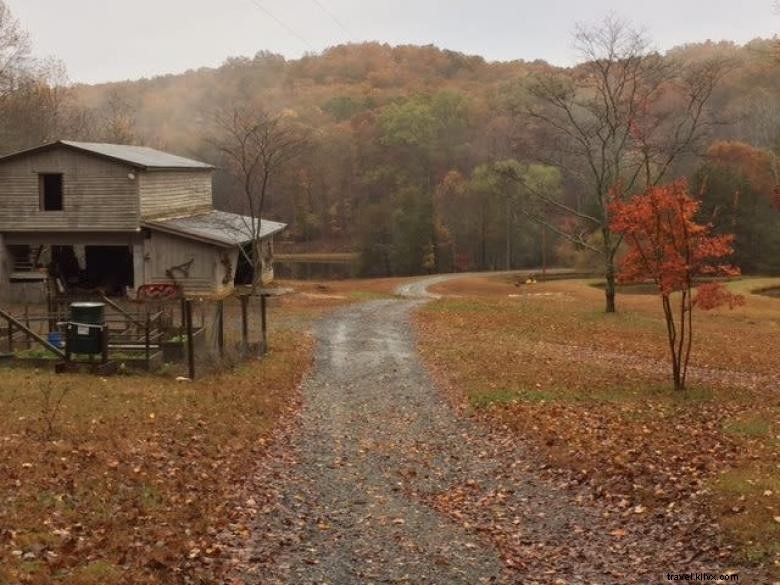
83 339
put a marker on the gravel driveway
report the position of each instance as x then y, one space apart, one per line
355 494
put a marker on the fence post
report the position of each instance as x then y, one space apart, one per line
263 315
104 344
51 306
68 337
221 328
10 337
190 342
148 341
245 322
183 320
27 323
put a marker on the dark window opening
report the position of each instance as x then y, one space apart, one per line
51 192
21 258
244 271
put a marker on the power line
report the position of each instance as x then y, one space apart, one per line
335 19
281 23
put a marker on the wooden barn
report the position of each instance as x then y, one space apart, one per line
116 218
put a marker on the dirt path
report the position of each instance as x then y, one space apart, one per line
363 490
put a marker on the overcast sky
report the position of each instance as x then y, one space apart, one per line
106 40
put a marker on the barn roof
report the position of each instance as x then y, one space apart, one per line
216 227
141 157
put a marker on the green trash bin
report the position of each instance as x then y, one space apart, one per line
85 330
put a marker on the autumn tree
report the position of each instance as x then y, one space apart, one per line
255 147
739 186
624 116
669 248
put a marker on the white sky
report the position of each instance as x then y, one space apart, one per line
106 40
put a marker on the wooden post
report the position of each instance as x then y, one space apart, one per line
148 340
27 323
10 337
221 328
183 321
245 322
264 349
51 306
104 344
68 337
21 327
190 341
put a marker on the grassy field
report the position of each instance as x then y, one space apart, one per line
592 393
133 478
136 476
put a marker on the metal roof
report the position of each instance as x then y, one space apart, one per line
217 227
141 157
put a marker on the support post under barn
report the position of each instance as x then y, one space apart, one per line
190 340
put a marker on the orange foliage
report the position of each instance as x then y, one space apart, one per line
666 244
668 247
756 165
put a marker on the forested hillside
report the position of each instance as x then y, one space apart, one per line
424 159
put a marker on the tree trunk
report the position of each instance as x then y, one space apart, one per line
610 276
508 234
610 288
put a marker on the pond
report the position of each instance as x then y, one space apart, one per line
773 292
316 266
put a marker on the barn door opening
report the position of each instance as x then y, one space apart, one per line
109 268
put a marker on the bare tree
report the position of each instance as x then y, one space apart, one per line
616 123
256 146
14 50
36 101
42 108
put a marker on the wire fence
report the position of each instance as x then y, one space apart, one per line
186 336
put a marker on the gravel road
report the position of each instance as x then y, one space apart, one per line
354 494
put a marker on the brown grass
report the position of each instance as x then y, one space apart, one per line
141 472
591 392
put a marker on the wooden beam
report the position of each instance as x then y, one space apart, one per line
32 334
122 311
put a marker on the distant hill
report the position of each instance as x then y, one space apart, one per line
348 94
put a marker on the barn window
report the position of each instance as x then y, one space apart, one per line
51 192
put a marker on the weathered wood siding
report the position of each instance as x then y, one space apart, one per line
167 194
192 265
98 195
5 270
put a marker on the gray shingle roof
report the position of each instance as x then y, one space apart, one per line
218 227
141 156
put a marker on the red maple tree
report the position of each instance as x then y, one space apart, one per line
668 247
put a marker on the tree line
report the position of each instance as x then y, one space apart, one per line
427 160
